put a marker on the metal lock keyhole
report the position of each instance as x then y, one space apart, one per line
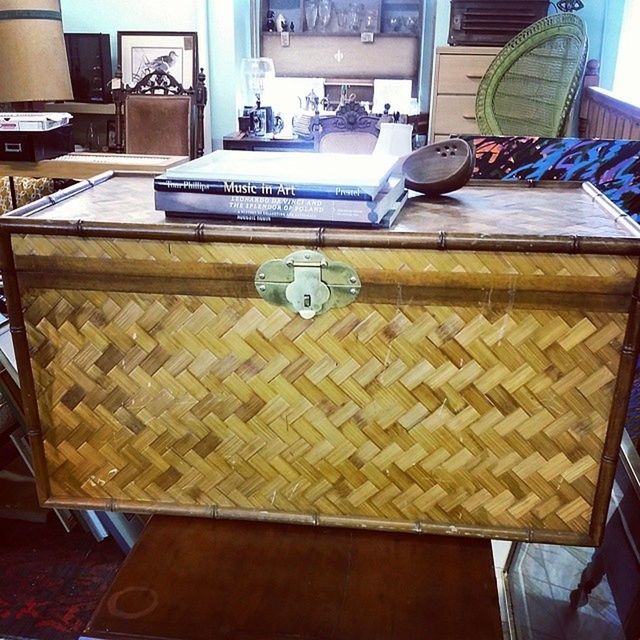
307 283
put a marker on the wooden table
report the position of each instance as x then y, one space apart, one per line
79 166
203 579
240 141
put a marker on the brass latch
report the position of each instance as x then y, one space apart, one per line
306 282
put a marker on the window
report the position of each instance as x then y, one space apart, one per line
625 83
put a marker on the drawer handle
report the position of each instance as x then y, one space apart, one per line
474 76
12 147
468 117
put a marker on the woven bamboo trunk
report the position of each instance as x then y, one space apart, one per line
476 385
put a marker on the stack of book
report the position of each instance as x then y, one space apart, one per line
301 188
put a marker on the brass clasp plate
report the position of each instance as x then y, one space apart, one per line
306 282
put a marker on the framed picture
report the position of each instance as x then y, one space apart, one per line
141 52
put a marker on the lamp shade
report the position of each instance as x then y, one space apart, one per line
394 139
34 63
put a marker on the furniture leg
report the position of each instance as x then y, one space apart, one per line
589 580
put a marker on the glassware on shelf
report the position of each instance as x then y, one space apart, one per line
410 24
324 14
355 13
341 18
370 21
311 14
394 24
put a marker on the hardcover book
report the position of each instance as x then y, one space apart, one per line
379 212
281 175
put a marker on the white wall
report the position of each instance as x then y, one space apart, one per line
222 37
229 42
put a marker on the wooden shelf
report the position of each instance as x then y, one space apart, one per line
356 36
312 55
82 107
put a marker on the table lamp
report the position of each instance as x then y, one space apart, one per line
256 72
395 139
33 54
34 69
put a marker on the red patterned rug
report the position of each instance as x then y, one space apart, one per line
51 581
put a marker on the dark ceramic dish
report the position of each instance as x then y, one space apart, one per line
439 167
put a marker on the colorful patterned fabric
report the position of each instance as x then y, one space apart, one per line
611 165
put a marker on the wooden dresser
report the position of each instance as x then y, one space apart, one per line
457 74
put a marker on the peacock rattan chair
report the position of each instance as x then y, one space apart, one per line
530 86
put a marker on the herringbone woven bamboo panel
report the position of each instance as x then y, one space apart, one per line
434 414
194 255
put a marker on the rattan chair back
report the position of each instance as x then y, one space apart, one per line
530 86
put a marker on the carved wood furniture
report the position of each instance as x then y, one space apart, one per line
391 47
159 116
477 385
350 130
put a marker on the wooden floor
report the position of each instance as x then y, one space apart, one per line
196 578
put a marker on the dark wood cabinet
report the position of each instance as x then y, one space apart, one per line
242 142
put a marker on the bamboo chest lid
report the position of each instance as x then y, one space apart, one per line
486 215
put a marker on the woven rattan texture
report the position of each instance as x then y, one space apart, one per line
396 262
444 415
468 414
530 86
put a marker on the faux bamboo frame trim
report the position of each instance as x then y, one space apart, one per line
319 237
619 405
23 361
19 221
224 513
369 294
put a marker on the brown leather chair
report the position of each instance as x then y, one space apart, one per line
158 116
350 130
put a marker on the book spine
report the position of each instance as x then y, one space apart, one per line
261 189
266 208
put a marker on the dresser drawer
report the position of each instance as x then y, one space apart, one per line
455 114
461 74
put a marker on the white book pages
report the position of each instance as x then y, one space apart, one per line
368 172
